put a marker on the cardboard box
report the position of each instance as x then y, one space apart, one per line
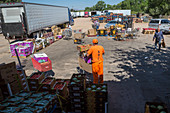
60 33
8 72
85 66
92 32
79 36
53 27
82 48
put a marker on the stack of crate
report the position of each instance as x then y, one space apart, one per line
77 87
9 83
42 82
21 79
30 102
96 98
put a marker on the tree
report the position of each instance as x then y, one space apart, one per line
157 7
100 6
87 9
109 7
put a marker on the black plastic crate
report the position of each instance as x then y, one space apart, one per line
78 105
79 110
97 91
77 94
75 87
82 81
80 100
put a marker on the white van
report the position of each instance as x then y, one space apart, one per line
163 24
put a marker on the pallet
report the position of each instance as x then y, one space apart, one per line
20 56
91 35
149 32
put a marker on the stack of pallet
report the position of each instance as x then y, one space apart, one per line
11 81
30 102
77 93
96 98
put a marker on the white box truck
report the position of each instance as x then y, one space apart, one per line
23 19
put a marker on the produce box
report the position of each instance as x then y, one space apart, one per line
92 32
78 110
34 80
8 72
100 90
77 82
82 48
47 84
60 88
76 93
79 36
43 103
85 66
155 107
41 57
38 47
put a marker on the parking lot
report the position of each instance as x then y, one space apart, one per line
134 71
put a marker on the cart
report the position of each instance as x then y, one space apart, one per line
78 38
42 67
67 33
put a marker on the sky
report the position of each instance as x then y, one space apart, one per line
75 4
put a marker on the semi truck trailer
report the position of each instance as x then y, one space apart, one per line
23 19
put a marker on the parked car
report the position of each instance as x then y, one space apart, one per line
113 22
163 24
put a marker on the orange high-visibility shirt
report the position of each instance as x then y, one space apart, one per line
96 51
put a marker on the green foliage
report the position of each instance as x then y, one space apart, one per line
153 7
100 6
159 7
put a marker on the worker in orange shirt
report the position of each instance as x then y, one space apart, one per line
97 61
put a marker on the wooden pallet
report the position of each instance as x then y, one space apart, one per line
149 32
20 56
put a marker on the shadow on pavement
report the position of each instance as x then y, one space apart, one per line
145 76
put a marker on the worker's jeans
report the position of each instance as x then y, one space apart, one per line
158 42
97 69
97 27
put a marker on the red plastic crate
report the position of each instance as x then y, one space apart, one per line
42 67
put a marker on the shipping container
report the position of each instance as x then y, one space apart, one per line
23 19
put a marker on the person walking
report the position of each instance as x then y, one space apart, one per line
97 53
158 37
97 24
